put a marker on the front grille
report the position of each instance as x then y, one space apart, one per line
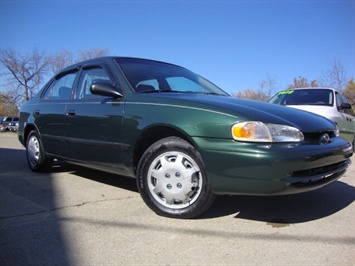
319 170
319 175
318 135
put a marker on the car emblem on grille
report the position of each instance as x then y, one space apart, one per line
324 138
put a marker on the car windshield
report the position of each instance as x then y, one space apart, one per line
150 76
304 97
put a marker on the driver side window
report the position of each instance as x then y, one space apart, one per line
86 79
341 99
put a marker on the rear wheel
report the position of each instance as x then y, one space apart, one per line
172 179
36 155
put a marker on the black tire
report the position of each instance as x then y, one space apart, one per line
172 179
36 155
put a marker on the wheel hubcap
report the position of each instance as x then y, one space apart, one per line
174 180
33 151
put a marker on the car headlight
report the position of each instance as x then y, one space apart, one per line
255 131
337 131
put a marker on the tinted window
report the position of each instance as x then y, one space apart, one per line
60 89
86 78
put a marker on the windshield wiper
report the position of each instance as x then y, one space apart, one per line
172 91
155 91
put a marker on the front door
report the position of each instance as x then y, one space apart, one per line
94 124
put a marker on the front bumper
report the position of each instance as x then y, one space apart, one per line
272 169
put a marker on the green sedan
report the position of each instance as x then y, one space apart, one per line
184 139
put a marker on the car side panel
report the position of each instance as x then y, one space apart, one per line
94 133
49 116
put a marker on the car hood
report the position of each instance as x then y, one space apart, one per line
247 110
316 109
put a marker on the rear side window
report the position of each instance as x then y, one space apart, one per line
60 89
86 79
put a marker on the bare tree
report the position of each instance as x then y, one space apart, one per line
302 82
349 92
247 94
8 103
266 90
24 73
61 60
91 53
335 76
268 87
252 95
66 58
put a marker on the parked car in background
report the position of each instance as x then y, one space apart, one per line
183 138
14 126
326 102
9 123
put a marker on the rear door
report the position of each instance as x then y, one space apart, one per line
50 113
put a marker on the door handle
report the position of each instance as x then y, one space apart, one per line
70 112
37 112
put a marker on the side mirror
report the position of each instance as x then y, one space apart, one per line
104 88
344 106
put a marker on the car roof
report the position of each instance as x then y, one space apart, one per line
312 88
106 59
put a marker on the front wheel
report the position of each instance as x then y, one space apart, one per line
172 179
36 155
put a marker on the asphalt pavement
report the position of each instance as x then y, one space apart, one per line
74 216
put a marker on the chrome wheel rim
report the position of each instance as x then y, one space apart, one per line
174 180
33 152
